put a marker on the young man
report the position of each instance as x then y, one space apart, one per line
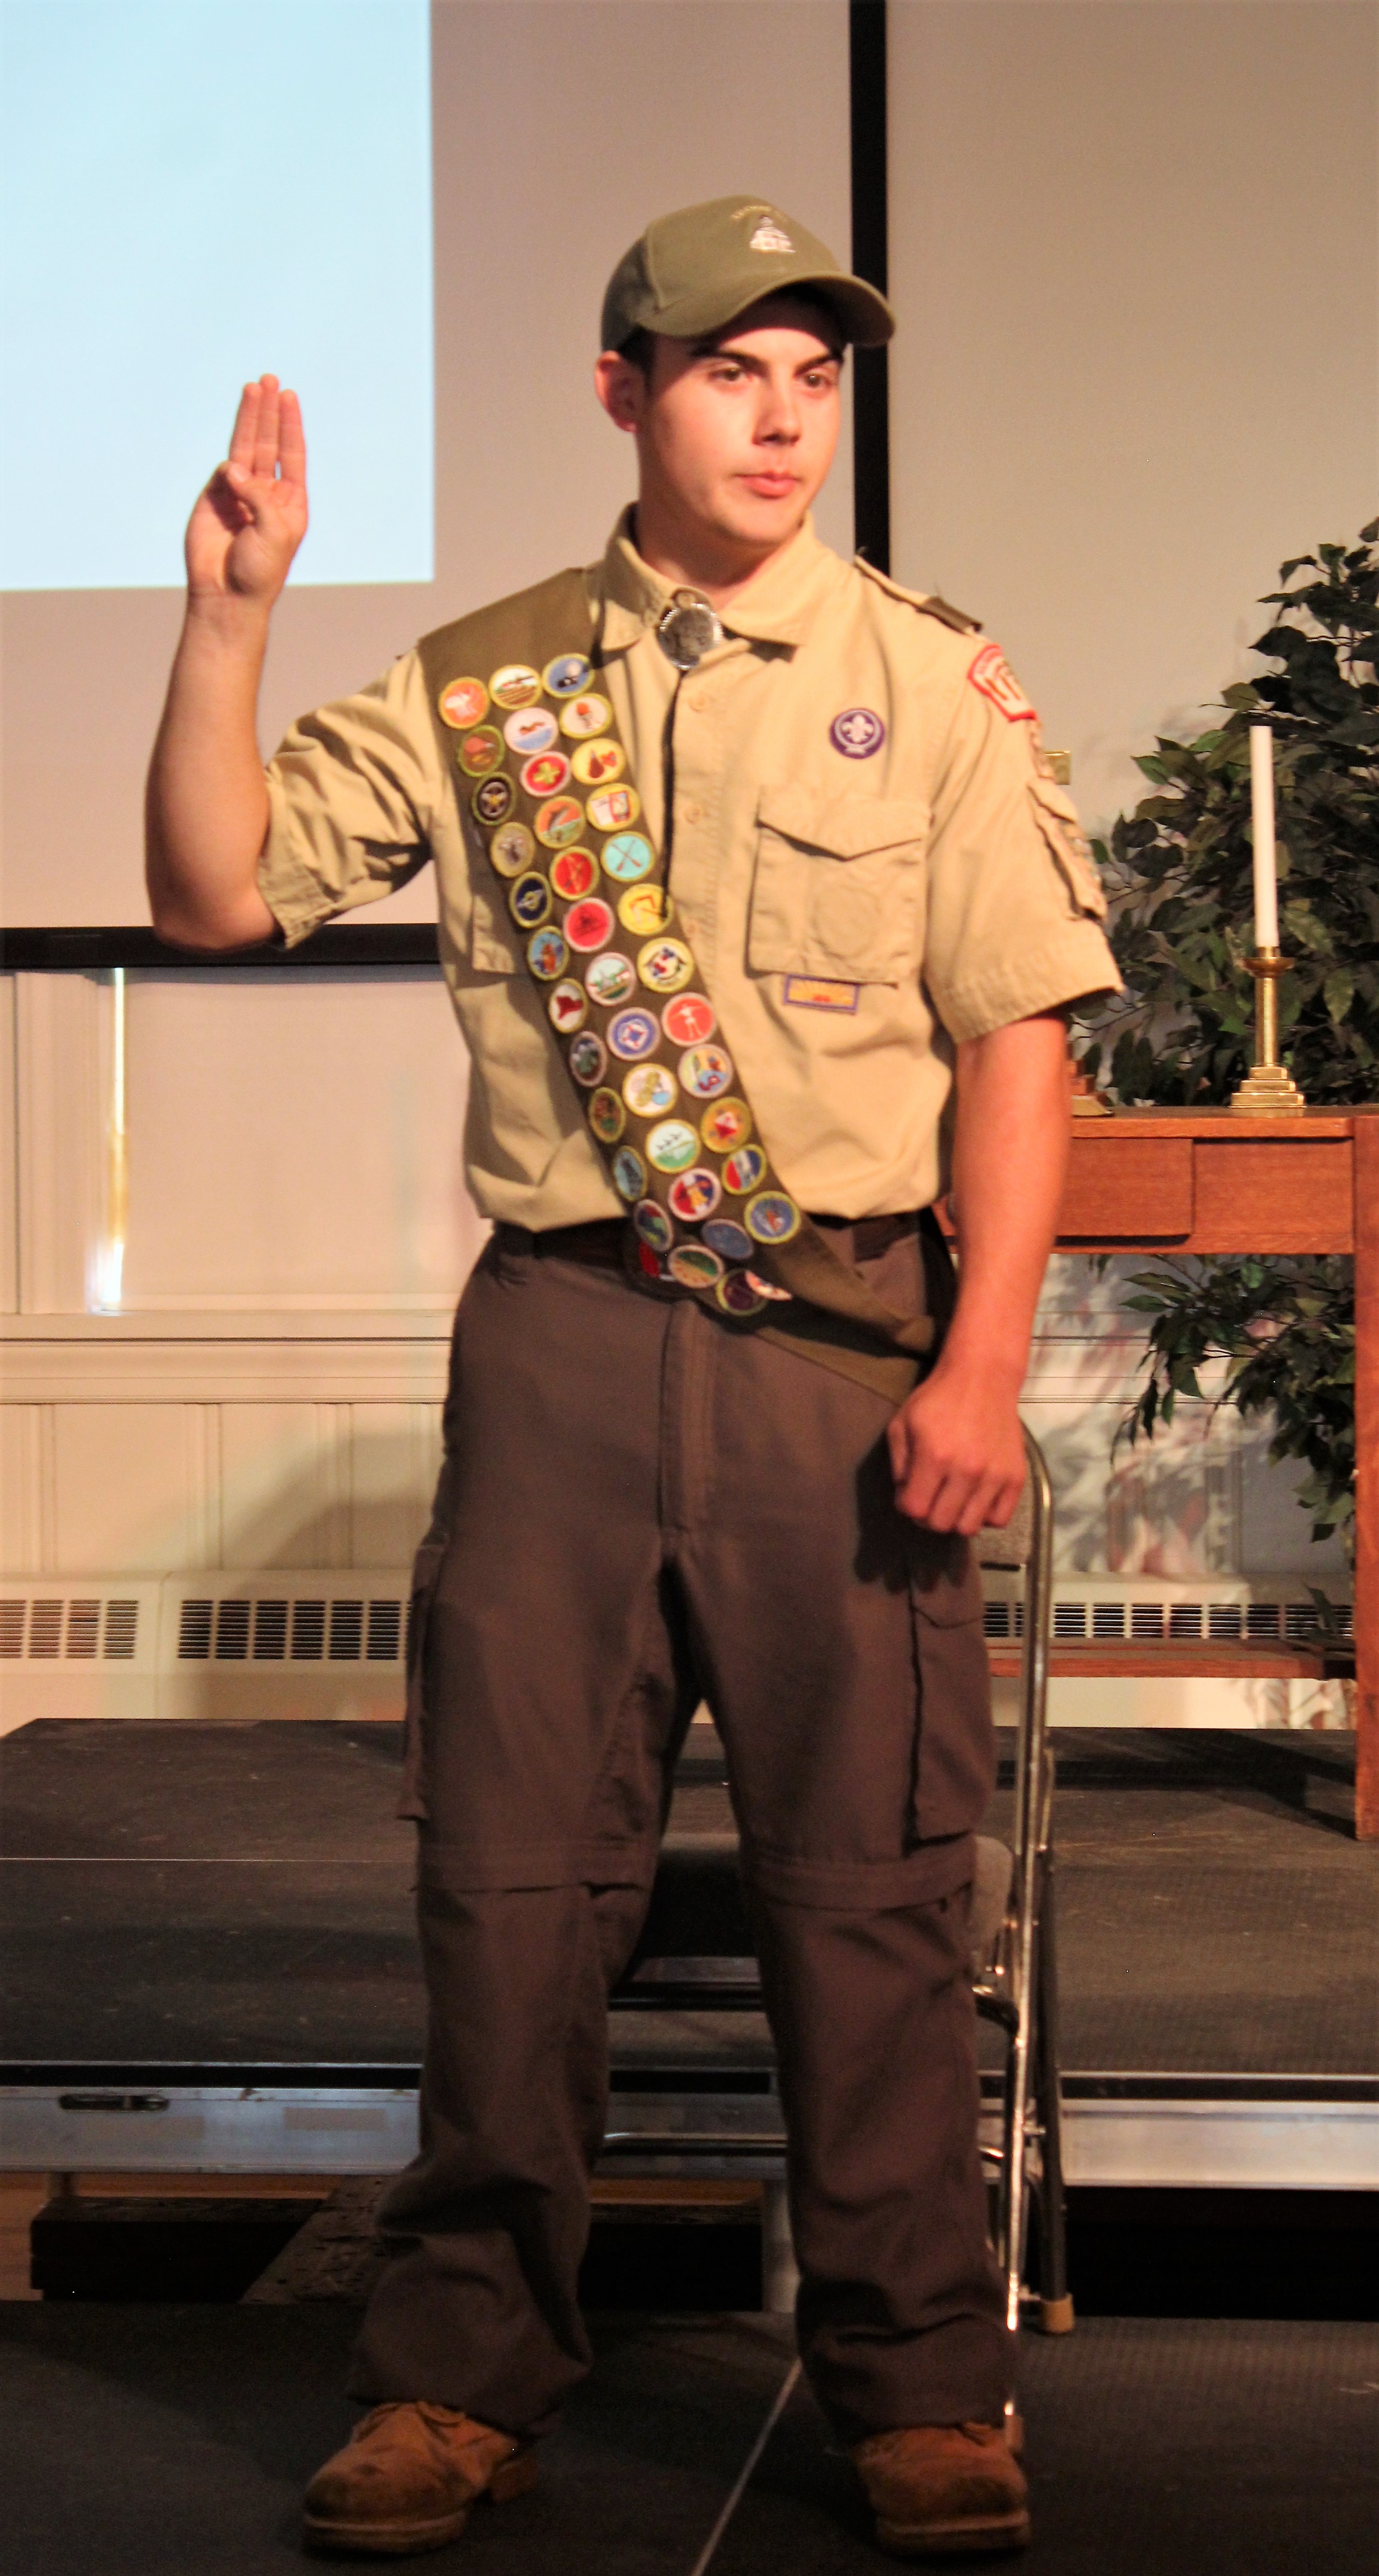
760 913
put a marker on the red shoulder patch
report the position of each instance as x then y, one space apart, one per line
992 675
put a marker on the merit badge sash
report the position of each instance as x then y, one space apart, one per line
531 741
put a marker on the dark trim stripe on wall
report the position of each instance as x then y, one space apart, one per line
405 943
871 435
95 952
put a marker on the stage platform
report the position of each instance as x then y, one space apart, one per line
212 1965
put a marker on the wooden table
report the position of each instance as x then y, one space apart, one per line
1206 1180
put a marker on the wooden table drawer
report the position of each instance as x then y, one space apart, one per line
1258 1197
1133 1189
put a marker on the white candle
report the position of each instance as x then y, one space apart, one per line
1262 812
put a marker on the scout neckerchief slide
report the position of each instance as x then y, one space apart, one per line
533 744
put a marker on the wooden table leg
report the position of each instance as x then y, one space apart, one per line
1367 1477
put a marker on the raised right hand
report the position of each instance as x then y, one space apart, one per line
251 518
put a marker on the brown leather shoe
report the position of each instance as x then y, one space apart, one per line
406 2479
944 2490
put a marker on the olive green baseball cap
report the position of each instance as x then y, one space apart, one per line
695 271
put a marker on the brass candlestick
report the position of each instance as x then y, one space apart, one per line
1268 1091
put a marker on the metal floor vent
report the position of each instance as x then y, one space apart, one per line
299 1641
1117 1611
347 1629
52 1628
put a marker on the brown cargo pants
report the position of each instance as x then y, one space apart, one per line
641 1507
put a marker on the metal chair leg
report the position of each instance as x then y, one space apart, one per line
1055 2303
780 2273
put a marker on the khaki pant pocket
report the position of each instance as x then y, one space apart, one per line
955 1765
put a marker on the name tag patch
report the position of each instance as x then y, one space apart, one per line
820 993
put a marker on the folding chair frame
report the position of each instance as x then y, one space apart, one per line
1017 1989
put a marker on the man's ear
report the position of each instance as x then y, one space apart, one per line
621 388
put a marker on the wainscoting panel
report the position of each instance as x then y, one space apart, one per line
295 1142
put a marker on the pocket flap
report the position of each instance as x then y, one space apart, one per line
1059 822
945 1578
845 826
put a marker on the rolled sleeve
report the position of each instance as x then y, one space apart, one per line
353 795
1015 905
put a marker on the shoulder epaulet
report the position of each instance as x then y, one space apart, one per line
928 602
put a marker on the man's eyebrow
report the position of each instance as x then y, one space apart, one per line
715 348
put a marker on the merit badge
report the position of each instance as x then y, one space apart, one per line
992 675
585 716
665 965
607 1117
633 1034
733 1241
529 902
463 703
653 1225
647 1262
737 1296
609 978
629 1173
547 955
649 1090
764 1289
515 685
645 909
689 1019
672 1146
694 1267
587 1058
545 773
857 733
531 729
573 872
480 751
706 1070
772 1217
512 848
589 924
627 857
596 764
695 1195
568 1008
611 808
726 1126
558 823
568 674
744 1169
493 799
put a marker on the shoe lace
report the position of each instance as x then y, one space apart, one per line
429 2412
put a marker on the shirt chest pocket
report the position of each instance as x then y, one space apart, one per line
838 886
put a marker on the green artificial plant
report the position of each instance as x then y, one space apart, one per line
1179 874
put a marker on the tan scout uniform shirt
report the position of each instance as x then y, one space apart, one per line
853 916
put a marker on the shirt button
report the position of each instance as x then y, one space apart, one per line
694 813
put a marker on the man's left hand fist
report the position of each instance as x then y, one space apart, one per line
958 1452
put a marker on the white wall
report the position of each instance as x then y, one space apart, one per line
1133 247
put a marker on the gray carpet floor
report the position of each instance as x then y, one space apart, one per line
175 2441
